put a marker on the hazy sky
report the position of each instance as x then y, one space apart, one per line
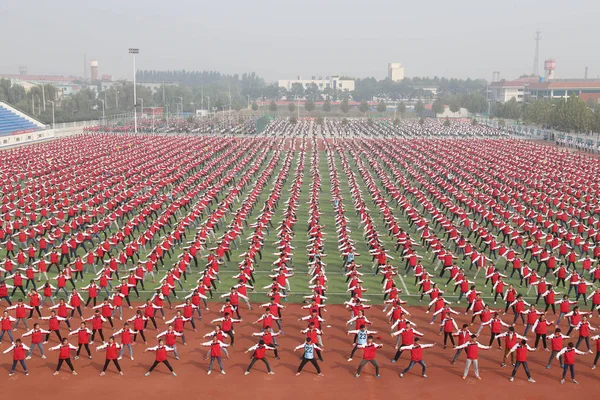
283 39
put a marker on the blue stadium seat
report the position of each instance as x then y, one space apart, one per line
10 122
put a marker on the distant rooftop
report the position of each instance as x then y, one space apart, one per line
48 78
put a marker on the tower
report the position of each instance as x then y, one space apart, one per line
94 70
536 58
549 67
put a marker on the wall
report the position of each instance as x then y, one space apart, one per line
16 140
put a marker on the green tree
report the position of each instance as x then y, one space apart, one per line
447 122
297 90
396 122
309 106
327 106
345 121
320 120
421 121
293 120
363 107
454 104
381 107
344 106
474 122
291 107
596 120
273 106
512 109
402 108
419 107
437 107
254 106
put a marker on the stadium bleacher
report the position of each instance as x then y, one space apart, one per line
11 122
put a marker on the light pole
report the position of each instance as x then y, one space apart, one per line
103 115
133 52
44 97
153 108
53 120
248 101
181 102
117 99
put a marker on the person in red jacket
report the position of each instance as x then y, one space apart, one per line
556 343
21 310
463 335
521 350
568 354
64 355
161 356
112 353
369 354
36 339
259 351
107 311
227 325
472 350
584 329
139 323
170 339
126 339
597 340
83 340
6 322
416 357
53 325
407 335
97 320
215 353
540 328
18 350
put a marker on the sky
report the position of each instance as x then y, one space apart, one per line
284 39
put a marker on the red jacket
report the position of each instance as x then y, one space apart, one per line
370 351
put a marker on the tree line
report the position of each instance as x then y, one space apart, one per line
565 115
204 89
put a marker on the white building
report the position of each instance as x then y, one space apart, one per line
334 82
503 91
395 72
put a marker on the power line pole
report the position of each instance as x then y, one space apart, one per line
536 59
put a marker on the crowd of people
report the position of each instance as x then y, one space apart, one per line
91 220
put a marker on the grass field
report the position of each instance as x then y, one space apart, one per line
336 285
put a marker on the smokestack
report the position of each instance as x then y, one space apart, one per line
586 73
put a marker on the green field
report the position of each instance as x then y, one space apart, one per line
336 286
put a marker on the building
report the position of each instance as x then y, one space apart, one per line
65 86
563 89
395 72
503 91
334 82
